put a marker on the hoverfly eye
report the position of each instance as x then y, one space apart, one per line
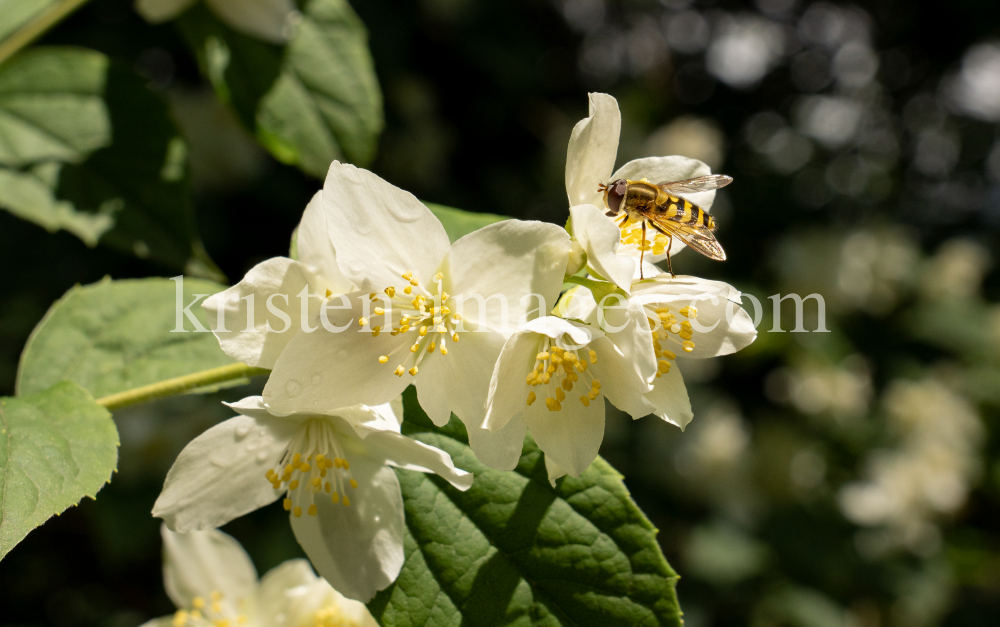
616 194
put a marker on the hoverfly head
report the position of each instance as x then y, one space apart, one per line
614 194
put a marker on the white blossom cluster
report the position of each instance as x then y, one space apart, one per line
482 327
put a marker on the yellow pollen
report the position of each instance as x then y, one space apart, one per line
180 617
560 395
423 331
376 331
438 277
327 487
362 321
669 354
542 356
195 614
407 275
297 512
399 371
354 484
198 603
688 346
414 282
222 622
293 485
329 293
552 404
444 351
379 311
689 312
347 501
312 509
413 371
305 467
295 460
531 398
407 290
316 482
445 296
390 292
383 359
415 348
458 317
585 400
430 349
663 366
454 337
335 498
216 595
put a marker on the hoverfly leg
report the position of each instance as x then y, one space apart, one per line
642 253
670 265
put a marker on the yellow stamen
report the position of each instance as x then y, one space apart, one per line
531 398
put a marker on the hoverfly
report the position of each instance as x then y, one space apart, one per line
659 206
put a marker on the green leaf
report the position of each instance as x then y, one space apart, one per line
87 148
514 550
114 336
458 223
56 447
311 102
16 13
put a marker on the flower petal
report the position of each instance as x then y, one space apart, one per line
592 150
156 11
508 389
316 250
326 370
357 548
571 436
553 470
499 449
220 474
600 238
266 19
623 380
276 593
510 260
459 382
380 231
302 603
670 398
228 313
721 326
403 452
201 562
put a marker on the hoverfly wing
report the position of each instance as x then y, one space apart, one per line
698 184
698 237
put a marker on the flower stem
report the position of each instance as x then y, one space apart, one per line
37 27
178 385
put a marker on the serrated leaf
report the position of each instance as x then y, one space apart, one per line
515 550
458 223
86 147
56 447
113 336
311 102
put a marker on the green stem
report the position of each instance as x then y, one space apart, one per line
37 26
179 385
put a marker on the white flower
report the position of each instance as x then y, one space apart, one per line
683 317
427 311
590 160
276 290
266 19
213 583
553 375
334 470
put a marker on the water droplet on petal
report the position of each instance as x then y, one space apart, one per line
377 518
262 456
292 387
356 267
221 460
243 429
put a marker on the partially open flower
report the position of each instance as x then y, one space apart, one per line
334 472
213 583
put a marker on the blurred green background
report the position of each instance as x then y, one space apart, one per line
841 479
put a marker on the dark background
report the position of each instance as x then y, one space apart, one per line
893 218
